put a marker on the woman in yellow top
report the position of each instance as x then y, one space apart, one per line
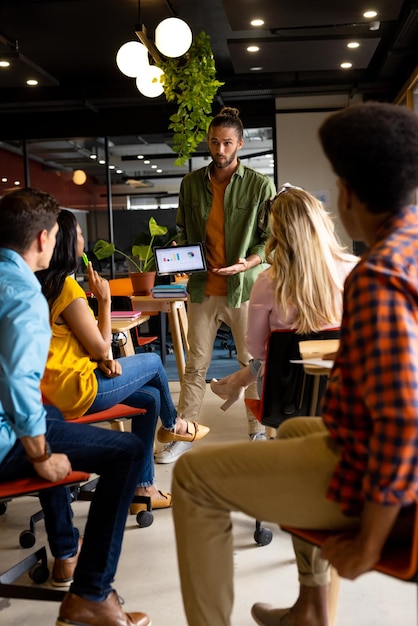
80 378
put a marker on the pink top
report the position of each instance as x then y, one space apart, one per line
264 315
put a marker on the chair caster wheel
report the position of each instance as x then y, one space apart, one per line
39 573
3 508
263 536
27 539
144 519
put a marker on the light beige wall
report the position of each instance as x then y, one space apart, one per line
300 159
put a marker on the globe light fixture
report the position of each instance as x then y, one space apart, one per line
149 81
79 177
173 37
131 58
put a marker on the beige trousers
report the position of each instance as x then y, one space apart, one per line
204 320
283 481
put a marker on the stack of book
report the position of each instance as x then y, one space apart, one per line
119 316
175 290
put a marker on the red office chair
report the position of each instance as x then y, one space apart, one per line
114 417
399 559
36 564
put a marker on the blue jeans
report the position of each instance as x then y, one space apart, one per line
117 458
143 384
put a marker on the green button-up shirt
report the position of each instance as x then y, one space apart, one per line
246 225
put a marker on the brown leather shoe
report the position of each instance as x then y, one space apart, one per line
63 570
76 610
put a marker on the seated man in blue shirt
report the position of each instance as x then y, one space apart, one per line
34 439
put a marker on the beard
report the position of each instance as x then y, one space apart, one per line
221 162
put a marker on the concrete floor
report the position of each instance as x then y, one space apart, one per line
147 577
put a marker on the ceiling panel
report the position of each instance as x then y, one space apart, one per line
73 45
304 13
297 56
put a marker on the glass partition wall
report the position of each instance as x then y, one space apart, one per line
115 184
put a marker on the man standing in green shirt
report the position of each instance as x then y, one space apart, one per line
224 206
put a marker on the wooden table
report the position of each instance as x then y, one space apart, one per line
317 349
177 318
124 326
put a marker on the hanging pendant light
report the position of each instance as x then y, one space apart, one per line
173 37
149 81
131 58
79 177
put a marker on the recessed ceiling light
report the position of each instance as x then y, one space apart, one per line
346 65
4 63
119 171
253 49
154 167
32 82
147 162
159 171
257 22
369 14
257 68
4 179
353 44
102 161
93 156
112 167
140 156
16 183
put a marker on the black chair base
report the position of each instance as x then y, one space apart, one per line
37 566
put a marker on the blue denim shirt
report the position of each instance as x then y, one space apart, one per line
24 342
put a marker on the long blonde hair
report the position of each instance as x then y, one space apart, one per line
303 251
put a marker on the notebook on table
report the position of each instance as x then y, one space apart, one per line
125 315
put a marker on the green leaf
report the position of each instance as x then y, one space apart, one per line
141 252
156 230
103 249
191 82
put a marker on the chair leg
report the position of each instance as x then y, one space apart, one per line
417 603
27 538
314 397
334 590
37 566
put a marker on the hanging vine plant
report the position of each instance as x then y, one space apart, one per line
190 81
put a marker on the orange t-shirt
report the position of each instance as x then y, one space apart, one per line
215 240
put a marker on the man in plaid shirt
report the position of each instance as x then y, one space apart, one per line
356 468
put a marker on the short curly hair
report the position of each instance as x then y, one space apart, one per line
373 147
23 214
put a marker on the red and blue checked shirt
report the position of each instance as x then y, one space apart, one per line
371 405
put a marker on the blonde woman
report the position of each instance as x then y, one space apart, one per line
302 288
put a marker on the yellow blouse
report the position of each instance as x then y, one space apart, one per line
69 382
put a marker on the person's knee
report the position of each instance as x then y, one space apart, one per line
52 413
299 427
153 360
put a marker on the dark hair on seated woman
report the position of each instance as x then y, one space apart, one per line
64 261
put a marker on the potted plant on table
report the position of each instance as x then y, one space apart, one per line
141 258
